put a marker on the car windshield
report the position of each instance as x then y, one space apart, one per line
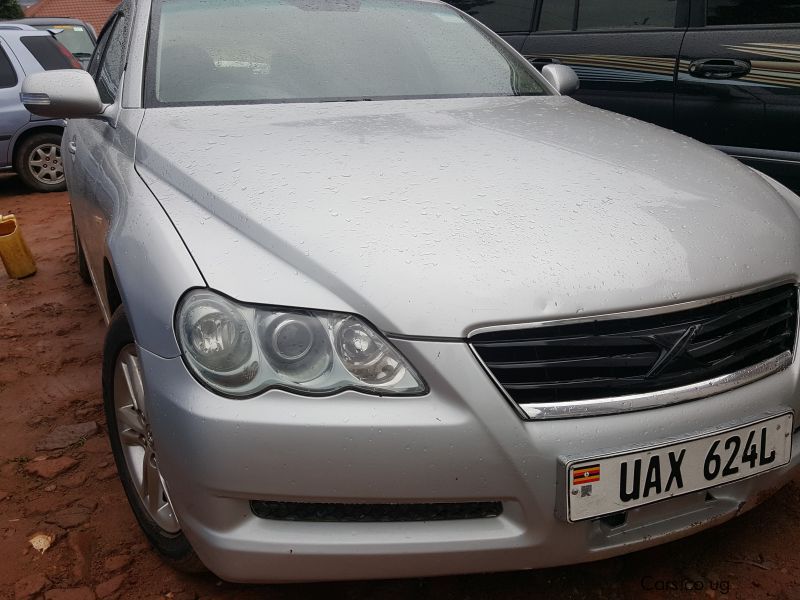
74 37
217 52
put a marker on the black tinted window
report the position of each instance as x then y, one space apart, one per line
113 62
557 15
607 14
501 15
49 53
8 76
619 14
752 12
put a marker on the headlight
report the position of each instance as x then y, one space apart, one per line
217 341
242 350
365 354
295 345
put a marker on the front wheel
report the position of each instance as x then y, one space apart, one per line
39 163
134 449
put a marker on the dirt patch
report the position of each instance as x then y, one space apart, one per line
51 336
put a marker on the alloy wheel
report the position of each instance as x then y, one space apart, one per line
137 440
46 164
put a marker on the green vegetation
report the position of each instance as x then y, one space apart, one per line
10 9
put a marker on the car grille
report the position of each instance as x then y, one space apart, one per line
583 361
331 512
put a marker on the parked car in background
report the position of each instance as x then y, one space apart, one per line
77 36
383 303
30 145
725 72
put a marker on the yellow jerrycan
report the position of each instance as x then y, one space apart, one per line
17 258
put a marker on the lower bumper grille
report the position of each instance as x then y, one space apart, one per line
329 512
585 361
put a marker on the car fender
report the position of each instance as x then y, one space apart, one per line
29 126
151 268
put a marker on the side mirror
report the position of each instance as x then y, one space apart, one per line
562 77
62 94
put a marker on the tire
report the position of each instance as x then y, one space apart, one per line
38 162
80 257
172 545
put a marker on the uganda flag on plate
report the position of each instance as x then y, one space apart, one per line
585 474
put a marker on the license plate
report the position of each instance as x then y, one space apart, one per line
616 482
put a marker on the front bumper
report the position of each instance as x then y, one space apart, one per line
461 443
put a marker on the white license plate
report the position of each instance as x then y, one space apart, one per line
616 482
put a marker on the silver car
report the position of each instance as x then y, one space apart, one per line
382 302
30 145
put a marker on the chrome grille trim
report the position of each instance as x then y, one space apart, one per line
621 403
633 402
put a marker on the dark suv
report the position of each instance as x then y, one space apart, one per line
726 72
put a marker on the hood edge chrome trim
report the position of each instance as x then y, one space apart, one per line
632 314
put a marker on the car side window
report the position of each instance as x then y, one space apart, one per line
49 53
580 15
557 15
752 12
503 16
8 76
112 65
100 48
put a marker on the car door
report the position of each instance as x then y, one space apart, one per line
91 142
624 51
13 115
74 151
739 82
512 19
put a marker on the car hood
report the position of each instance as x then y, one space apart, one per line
435 217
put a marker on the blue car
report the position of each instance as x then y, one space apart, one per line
30 145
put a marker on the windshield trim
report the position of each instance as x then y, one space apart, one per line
342 99
150 99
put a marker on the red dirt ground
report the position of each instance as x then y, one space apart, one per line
50 347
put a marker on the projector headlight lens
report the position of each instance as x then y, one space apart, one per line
311 352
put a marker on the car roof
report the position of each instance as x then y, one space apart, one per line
9 32
7 26
47 21
55 21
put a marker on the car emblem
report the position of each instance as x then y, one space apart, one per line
672 349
